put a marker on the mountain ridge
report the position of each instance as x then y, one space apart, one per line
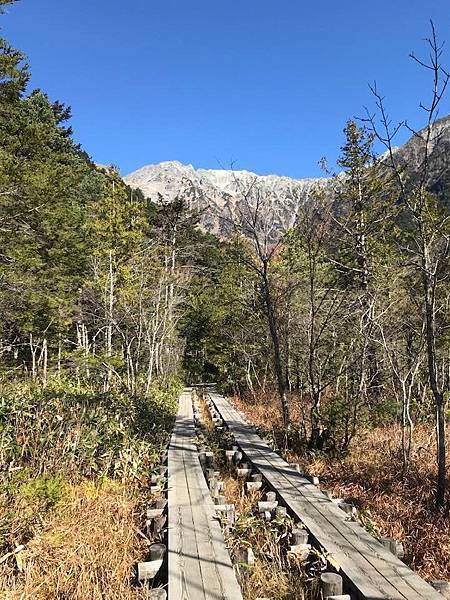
218 193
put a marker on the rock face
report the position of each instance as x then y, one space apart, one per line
411 156
217 195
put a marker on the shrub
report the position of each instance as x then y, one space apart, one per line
54 437
81 433
46 490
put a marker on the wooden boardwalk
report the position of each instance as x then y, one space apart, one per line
199 564
370 570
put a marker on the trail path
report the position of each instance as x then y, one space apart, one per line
199 564
371 571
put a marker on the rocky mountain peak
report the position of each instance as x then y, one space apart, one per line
217 193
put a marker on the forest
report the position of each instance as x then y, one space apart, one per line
332 336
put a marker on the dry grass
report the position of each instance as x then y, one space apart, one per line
371 477
398 507
275 573
262 413
85 550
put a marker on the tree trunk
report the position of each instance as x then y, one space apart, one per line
33 350
278 366
59 356
430 324
441 459
44 361
110 313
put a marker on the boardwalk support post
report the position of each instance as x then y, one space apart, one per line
156 594
229 455
253 486
243 473
349 509
245 556
300 536
393 546
267 506
281 512
331 584
157 551
148 570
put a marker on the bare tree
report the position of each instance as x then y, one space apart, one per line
257 219
429 234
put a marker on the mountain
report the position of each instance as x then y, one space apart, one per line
217 194
411 156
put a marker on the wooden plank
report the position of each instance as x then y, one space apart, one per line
199 563
374 572
399 573
184 568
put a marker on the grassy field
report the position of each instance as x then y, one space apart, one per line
74 488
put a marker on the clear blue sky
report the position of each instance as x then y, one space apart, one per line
268 84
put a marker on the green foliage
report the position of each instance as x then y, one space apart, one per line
89 272
46 184
223 317
62 430
45 490
386 411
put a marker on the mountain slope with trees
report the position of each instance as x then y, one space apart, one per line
91 278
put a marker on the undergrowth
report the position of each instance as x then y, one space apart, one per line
276 573
60 429
84 550
74 475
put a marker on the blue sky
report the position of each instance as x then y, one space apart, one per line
266 84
